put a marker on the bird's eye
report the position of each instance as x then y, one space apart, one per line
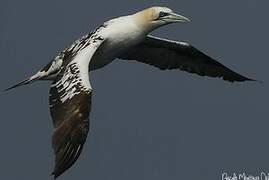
163 14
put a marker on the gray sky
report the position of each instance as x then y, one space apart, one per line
145 123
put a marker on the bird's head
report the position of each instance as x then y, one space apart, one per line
155 17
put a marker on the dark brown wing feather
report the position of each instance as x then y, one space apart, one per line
70 132
69 107
166 54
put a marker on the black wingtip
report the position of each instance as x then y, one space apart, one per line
67 162
55 175
253 80
249 79
235 77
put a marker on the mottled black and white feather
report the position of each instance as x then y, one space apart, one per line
70 97
53 68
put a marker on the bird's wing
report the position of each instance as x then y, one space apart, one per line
70 96
167 54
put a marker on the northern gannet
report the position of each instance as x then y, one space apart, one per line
126 38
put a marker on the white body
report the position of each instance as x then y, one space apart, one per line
120 34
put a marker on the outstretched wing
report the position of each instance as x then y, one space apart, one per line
166 54
70 96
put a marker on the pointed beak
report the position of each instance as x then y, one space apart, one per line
173 17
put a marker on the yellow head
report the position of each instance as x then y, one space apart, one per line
155 17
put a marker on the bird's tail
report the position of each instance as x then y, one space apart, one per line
26 81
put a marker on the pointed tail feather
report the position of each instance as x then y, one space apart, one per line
26 81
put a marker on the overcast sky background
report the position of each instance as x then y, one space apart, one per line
145 123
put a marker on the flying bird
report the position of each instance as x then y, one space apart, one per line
125 38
